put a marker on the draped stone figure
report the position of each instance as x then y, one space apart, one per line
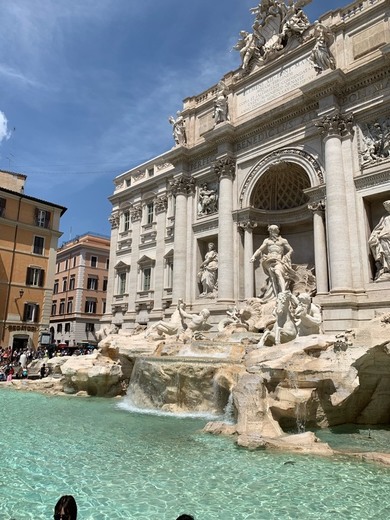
208 272
275 257
379 243
178 129
320 55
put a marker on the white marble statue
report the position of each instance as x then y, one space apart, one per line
320 55
247 46
275 257
379 242
208 272
106 330
171 327
197 323
307 315
221 106
285 328
208 201
179 129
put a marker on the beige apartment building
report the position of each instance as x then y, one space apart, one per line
29 233
79 290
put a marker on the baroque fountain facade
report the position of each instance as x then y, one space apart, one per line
250 263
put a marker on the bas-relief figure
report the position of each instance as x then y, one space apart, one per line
275 25
221 106
208 200
178 128
275 257
208 272
379 242
320 55
376 139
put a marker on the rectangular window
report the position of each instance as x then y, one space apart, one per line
92 284
62 307
90 306
57 267
169 275
105 281
2 207
59 327
54 308
94 261
69 306
42 218
35 276
149 213
64 284
104 306
31 312
150 172
147 273
107 263
38 247
122 283
55 287
74 261
72 283
126 221
67 327
89 327
66 264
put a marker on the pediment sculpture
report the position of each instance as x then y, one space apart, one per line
276 24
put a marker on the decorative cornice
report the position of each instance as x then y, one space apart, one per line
336 125
183 186
225 167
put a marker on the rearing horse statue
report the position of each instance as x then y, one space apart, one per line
284 328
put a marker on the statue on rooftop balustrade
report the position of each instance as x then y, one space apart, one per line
178 129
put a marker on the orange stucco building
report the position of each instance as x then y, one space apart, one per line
29 233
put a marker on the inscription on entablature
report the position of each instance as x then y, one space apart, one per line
201 163
274 131
281 82
366 93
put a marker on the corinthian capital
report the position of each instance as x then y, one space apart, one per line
183 185
136 213
336 124
317 207
113 219
225 167
161 204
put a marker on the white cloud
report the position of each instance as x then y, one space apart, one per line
4 132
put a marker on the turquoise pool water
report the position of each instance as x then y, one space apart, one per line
120 465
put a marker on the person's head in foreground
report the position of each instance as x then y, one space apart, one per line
65 508
185 517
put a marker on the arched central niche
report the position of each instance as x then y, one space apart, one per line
281 188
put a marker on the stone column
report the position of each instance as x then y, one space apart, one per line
181 187
334 128
225 171
136 216
249 272
160 207
320 252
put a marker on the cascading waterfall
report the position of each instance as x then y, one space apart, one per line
228 416
300 405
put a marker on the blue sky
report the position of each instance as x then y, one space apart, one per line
87 87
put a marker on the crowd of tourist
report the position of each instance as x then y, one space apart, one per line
14 363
